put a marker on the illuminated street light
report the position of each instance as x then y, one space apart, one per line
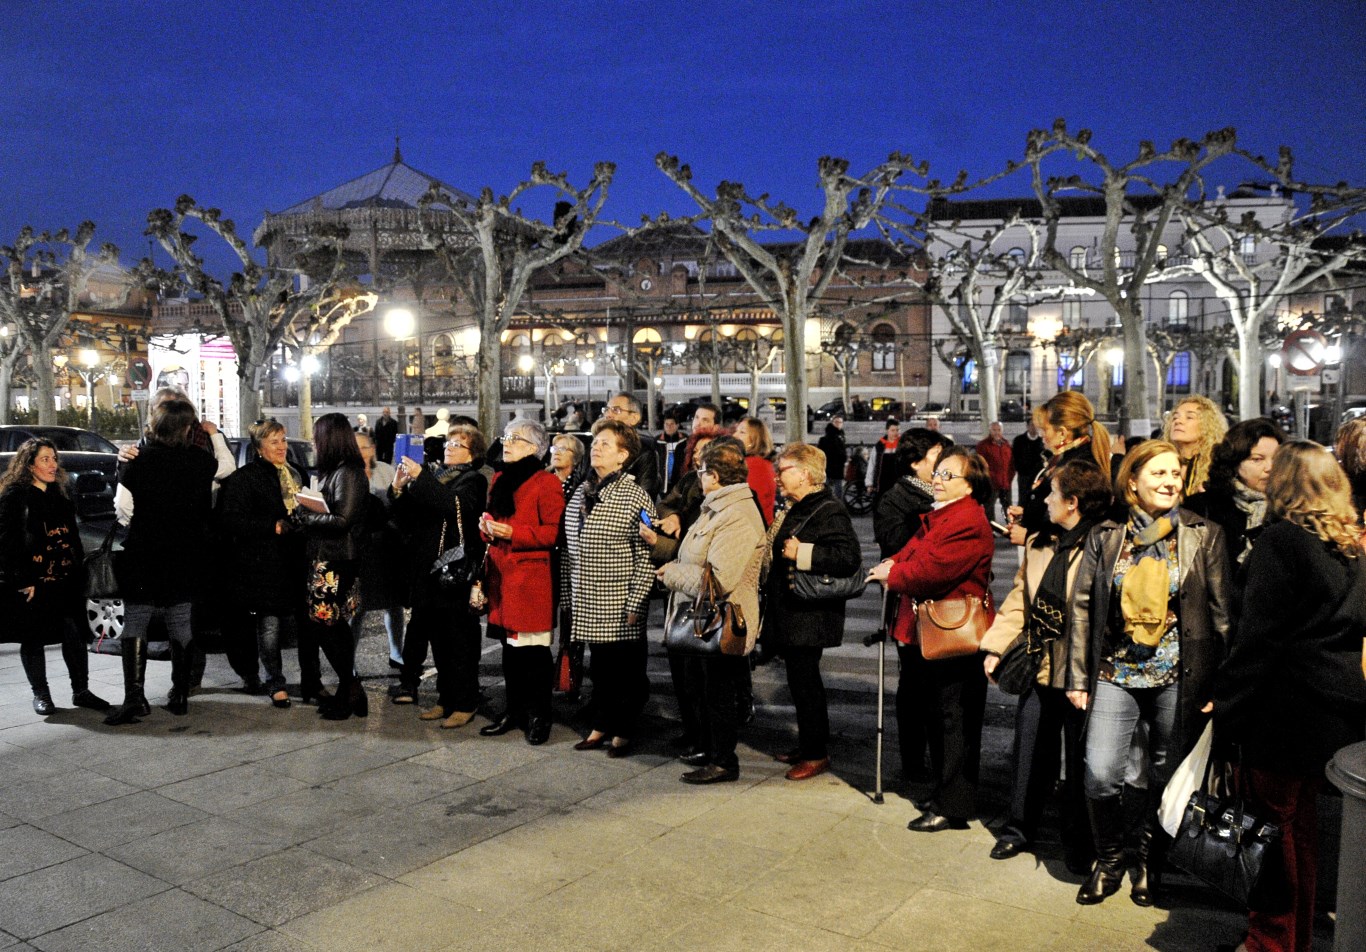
291 374
309 364
525 363
1115 356
399 323
1274 361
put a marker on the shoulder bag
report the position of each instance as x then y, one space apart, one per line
820 586
100 581
951 627
452 569
712 624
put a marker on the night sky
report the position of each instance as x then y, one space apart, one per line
111 109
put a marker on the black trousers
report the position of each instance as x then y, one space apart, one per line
808 696
713 684
1048 733
33 657
689 700
952 709
620 685
529 678
911 686
453 634
339 648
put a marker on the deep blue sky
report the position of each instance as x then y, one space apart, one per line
110 109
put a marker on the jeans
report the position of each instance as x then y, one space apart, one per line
176 618
393 627
1116 715
268 647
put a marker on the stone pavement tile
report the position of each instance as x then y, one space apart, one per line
18 764
47 899
25 848
172 760
567 780
398 841
102 825
685 863
1085 937
270 940
72 736
198 849
232 788
1194 920
861 850
778 826
482 757
283 886
936 921
659 797
303 814
396 784
583 915
73 787
330 761
1023 882
172 921
829 791
512 869
727 927
390 917
7 821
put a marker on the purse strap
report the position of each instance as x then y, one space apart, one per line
459 528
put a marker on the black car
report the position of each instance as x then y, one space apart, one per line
89 459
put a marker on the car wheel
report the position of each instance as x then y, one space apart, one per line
104 620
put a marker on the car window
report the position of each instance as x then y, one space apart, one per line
94 443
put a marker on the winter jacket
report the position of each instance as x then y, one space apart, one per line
764 483
997 455
1009 624
828 545
518 581
728 536
425 505
898 514
949 557
335 536
836 451
267 570
40 546
163 556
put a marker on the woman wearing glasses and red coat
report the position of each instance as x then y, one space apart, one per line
948 557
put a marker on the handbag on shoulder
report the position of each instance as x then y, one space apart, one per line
712 624
100 581
820 586
453 570
950 627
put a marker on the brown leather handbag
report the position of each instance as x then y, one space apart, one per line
951 627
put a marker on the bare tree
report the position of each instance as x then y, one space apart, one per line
754 356
314 332
1141 198
259 305
45 276
1256 288
791 278
491 251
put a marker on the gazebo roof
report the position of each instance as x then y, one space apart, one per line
395 185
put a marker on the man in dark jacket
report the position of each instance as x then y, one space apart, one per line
836 454
645 467
1026 452
671 445
386 431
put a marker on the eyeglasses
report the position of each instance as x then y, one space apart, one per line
518 439
702 471
618 411
456 445
944 476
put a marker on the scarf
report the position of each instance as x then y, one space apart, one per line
1054 461
1049 606
511 477
289 487
592 491
921 485
1146 588
1253 505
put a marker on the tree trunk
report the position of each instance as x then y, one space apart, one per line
651 416
794 359
715 369
845 396
305 398
987 386
490 388
754 373
248 397
1137 409
42 369
1249 373
6 390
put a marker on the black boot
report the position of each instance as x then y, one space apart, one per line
134 671
1152 855
1107 826
199 661
178 700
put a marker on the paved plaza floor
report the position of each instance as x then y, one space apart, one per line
248 828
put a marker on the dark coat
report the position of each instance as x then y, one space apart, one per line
420 510
267 570
335 536
518 580
40 545
1027 455
163 556
1218 507
950 557
1291 691
1201 609
821 522
386 431
645 467
898 514
671 464
836 451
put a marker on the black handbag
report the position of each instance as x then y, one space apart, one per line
1222 844
711 624
100 580
452 569
1018 668
818 586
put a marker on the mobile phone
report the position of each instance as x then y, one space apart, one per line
1000 529
645 518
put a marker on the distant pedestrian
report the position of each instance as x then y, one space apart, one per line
386 431
882 468
1026 453
836 451
996 451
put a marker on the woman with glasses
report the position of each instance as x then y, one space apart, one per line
521 526
813 534
567 463
948 557
435 506
610 574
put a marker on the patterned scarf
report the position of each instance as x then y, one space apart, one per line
1253 504
289 487
921 485
1048 610
1054 461
1146 588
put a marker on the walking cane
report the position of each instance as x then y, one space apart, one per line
880 638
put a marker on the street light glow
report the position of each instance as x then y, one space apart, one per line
89 357
1115 356
309 364
399 323
291 374
1274 361
586 366
525 363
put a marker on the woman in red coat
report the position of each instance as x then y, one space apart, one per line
753 433
521 526
948 557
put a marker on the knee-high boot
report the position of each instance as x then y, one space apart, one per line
134 672
1152 855
1107 825
178 700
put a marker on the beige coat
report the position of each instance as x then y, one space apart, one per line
1010 617
728 535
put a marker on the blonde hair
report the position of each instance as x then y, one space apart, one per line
1309 488
808 457
1070 410
1213 426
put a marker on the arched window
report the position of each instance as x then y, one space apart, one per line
1071 313
1077 257
646 335
844 333
884 348
1178 308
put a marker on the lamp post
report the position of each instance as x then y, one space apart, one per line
400 324
90 359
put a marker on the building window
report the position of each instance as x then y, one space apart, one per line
884 348
1017 372
1077 257
1017 317
1178 308
1179 373
1247 246
1070 376
1071 313
1017 257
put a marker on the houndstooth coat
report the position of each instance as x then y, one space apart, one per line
607 567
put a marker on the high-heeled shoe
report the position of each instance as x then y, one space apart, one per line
280 699
625 749
593 743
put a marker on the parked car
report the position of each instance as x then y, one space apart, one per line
1012 411
90 459
731 410
875 408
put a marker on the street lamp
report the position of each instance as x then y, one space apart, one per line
89 359
400 324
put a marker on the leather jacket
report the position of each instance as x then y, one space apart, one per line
336 535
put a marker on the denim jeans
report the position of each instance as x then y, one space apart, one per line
176 618
268 646
393 627
1115 716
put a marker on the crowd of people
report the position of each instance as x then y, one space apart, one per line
1211 572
